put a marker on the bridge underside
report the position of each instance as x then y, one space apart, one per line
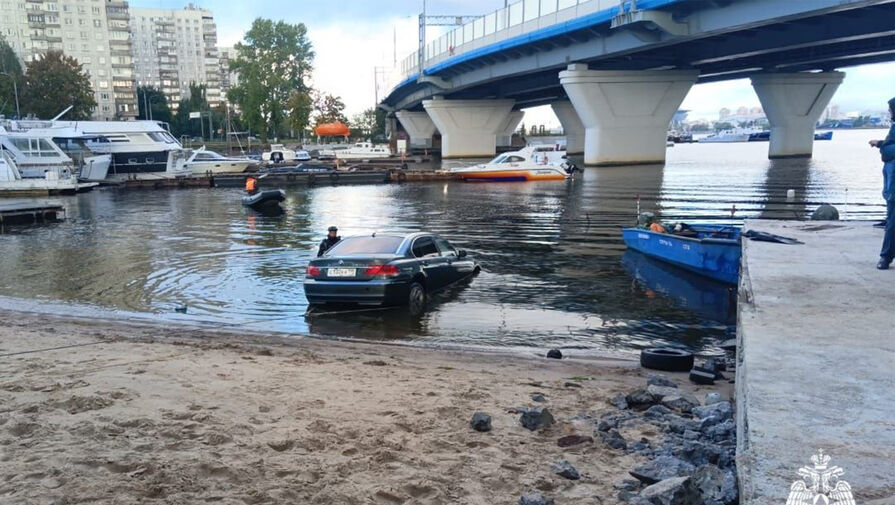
766 36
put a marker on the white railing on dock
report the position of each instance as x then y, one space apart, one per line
521 17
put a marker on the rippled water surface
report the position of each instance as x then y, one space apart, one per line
555 268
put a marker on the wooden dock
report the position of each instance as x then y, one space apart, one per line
13 213
360 174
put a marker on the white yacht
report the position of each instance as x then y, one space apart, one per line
533 163
360 151
55 181
138 149
278 154
302 155
731 135
203 162
34 154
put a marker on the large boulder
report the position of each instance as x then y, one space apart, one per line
674 491
660 380
715 486
565 469
825 212
535 498
720 411
536 418
480 422
661 468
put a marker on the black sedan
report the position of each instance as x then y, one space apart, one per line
386 269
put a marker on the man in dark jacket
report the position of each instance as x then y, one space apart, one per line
332 238
887 153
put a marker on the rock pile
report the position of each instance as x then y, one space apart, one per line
693 464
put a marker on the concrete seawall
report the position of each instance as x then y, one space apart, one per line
816 357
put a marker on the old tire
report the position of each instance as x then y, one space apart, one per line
416 299
667 359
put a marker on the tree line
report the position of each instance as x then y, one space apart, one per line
273 97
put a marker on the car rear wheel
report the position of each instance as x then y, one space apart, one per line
416 299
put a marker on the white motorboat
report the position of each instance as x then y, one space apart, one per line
202 162
360 151
138 149
302 155
534 163
278 154
730 135
34 154
55 181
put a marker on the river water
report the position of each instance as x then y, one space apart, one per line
555 270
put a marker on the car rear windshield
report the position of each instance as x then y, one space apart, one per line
366 245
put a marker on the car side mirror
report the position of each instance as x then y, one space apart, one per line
461 253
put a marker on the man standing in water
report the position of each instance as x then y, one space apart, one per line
332 238
887 152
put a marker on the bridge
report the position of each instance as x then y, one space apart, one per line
615 71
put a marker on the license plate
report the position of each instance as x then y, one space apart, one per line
342 272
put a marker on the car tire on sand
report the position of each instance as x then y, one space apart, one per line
666 358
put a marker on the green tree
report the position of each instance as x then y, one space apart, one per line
328 108
158 104
10 78
181 124
54 82
298 111
274 63
369 124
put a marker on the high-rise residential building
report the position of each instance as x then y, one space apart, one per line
173 48
228 78
94 32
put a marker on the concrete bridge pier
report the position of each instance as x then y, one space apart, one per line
793 102
419 127
469 128
505 136
625 113
571 126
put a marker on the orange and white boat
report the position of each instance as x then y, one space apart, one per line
534 163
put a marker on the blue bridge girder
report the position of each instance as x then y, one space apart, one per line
728 39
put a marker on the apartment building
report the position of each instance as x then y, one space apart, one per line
228 78
173 48
95 32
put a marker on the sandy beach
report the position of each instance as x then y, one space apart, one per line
115 413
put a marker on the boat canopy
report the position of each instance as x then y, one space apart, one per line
334 129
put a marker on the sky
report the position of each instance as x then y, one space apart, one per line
352 38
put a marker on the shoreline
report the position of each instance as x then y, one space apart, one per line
131 412
91 314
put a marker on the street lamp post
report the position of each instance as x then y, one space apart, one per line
15 90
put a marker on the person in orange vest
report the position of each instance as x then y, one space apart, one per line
251 185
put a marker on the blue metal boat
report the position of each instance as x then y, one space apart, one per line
710 250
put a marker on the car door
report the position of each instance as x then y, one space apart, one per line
453 263
430 260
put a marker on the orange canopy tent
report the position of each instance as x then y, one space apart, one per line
335 129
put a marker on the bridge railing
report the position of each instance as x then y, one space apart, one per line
518 18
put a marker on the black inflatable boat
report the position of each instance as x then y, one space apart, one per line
264 199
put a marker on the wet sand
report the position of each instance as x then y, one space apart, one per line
143 414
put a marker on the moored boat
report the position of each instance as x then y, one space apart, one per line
533 163
264 199
730 135
710 250
278 154
202 161
54 180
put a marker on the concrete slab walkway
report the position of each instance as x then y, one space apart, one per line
816 360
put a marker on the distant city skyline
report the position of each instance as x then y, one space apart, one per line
349 47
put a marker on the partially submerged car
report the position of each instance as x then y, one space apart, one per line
386 269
